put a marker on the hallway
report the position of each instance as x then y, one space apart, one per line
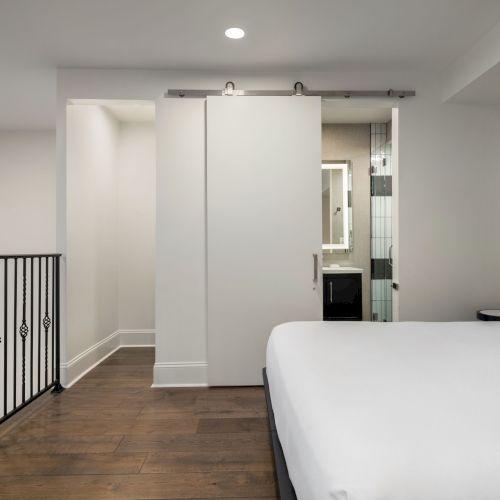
112 436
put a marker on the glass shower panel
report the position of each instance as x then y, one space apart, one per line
381 221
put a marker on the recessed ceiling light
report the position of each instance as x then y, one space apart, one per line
234 33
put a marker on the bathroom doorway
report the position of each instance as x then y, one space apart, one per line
363 137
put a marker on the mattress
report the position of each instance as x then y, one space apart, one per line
388 411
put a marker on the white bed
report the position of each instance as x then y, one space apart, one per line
388 411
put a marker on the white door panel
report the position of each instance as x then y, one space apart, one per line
263 226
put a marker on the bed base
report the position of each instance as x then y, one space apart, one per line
285 486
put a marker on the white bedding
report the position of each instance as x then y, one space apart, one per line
388 411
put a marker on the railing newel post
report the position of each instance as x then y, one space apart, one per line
57 382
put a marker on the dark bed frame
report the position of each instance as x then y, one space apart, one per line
284 484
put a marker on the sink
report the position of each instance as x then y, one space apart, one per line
342 270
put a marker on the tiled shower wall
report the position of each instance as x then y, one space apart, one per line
381 221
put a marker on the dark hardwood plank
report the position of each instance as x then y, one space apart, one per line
227 402
194 442
172 424
69 464
112 436
260 413
61 412
76 427
235 484
33 409
200 461
16 444
128 356
80 426
170 405
227 425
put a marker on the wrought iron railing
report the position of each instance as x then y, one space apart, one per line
29 329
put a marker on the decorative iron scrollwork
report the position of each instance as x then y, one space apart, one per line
46 322
24 330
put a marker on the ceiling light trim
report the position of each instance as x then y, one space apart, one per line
235 33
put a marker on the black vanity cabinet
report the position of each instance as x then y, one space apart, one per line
342 297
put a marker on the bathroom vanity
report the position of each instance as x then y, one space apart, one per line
342 298
341 285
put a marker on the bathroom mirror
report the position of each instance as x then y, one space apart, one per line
336 205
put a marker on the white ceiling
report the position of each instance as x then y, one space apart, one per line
474 78
483 91
332 113
136 111
37 36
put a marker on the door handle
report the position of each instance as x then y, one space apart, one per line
315 267
330 286
390 256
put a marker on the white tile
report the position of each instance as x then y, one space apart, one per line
382 167
387 242
388 289
380 248
388 226
377 251
388 162
388 206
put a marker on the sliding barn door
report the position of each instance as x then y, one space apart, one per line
263 226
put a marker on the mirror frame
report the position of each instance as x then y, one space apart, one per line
345 167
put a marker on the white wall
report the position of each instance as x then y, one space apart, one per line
27 225
27 192
92 264
449 161
110 235
449 174
136 226
181 320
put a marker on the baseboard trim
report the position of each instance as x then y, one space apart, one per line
87 370
76 368
82 363
180 374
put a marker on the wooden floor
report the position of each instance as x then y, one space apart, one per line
112 436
